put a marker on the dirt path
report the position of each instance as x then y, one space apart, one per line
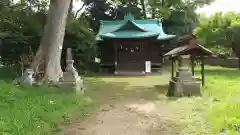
139 108
125 119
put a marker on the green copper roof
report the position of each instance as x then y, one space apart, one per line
129 34
131 28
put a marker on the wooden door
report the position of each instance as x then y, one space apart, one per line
130 57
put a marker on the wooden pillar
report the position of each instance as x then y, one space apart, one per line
202 70
176 64
173 63
175 67
116 55
192 65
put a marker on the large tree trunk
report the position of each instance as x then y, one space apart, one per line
153 13
143 9
70 9
48 56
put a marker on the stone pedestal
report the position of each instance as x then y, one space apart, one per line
184 84
72 83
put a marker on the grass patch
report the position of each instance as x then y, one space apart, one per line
38 111
223 85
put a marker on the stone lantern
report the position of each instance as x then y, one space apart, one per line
183 82
71 79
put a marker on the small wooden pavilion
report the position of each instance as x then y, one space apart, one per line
125 45
188 45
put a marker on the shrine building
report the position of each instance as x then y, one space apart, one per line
132 46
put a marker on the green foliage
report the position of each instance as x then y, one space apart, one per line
21 29
97 10
81 38
219 31
38 111
179 15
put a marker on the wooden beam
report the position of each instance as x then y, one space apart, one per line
202 70
175 67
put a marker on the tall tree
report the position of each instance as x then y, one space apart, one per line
97 10
48 56
179 15
221 32
143 9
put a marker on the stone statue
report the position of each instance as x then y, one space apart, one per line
27 79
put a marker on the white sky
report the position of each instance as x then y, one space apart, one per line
221 6
77 4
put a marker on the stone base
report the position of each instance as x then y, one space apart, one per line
68 77
72 84
188 88
185 75
129 73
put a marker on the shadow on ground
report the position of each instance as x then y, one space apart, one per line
149 88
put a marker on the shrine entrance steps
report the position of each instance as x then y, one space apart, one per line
129 72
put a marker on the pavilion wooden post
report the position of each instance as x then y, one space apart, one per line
192 65
202 70
116 53
176 64
173 67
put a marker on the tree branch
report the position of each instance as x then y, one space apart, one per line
77 12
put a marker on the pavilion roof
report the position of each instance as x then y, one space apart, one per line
188 45
131 28
190 49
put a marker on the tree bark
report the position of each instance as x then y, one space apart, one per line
153 13
143 9
48 56
70 9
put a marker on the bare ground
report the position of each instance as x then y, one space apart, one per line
138 106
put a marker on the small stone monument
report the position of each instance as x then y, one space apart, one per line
27 80
184 83
71 79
